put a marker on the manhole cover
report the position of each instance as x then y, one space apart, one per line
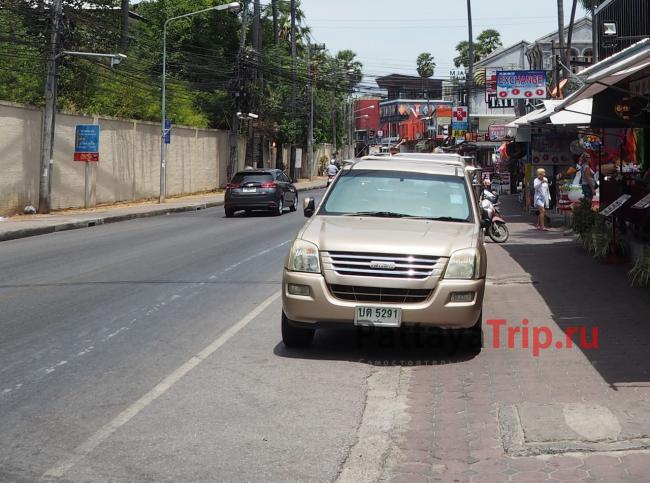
530 429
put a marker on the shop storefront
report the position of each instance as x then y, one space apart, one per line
618 138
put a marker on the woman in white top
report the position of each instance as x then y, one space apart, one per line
542 197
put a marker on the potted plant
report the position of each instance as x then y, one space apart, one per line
640 274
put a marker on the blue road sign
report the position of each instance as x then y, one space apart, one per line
168 131
86 142
86 138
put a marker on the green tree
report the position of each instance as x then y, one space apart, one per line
487 42
425 65
591 5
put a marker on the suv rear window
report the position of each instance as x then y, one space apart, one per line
252 177
399 192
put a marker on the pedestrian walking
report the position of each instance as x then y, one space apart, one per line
587 178
542 198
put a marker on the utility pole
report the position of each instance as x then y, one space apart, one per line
234 125
124 34
294 54
276 30
334 119
560 28
47 141
310 134
470 69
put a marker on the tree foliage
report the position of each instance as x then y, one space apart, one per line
487 42
425 65
591 5
204 68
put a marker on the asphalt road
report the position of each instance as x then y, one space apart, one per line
150 350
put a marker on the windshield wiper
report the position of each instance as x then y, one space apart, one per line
379 214
443 218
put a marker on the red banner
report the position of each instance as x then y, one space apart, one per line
88 157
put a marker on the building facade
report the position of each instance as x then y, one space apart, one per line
620 24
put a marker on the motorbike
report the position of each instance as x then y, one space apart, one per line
330 178
497 229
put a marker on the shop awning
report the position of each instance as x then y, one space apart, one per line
525 120
577 113
607 73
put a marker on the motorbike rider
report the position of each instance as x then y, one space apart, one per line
332 169
488 194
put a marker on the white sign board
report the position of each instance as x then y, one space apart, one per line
642 203
298 163
615 205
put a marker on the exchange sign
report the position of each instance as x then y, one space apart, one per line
521 84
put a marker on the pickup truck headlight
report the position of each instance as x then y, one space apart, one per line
464 265
304 257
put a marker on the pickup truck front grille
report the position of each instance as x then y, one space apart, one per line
378 294
414 267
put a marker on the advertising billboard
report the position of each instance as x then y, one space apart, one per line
490 82
521 84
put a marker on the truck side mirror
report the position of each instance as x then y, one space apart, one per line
308 207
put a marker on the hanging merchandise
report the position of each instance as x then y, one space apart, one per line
591 142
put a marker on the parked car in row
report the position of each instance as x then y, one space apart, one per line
395 241
260 189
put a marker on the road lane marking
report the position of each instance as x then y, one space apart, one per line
252 257
85 448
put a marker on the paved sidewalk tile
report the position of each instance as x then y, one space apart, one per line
456 430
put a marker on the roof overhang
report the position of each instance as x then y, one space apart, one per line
609 72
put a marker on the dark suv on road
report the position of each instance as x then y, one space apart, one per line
267 189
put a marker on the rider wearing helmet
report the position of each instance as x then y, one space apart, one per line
332 169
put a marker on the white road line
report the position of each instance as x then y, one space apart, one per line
85 448
252 257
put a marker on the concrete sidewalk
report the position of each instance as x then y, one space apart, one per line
578 410
22 226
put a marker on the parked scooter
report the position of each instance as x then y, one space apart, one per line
497 229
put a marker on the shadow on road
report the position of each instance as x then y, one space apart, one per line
386 347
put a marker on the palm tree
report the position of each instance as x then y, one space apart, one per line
425 68
425 65
348 64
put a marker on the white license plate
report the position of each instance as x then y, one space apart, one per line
378 316
249 190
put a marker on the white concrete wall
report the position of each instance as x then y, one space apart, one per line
129 165
20 141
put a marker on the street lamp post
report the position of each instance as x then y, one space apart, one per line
232 6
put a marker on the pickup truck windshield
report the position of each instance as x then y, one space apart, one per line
399 194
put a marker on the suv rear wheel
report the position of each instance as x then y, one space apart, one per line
295 337
280 208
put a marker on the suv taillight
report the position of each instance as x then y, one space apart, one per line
273 184
232 185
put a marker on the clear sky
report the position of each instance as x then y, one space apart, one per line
388 35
